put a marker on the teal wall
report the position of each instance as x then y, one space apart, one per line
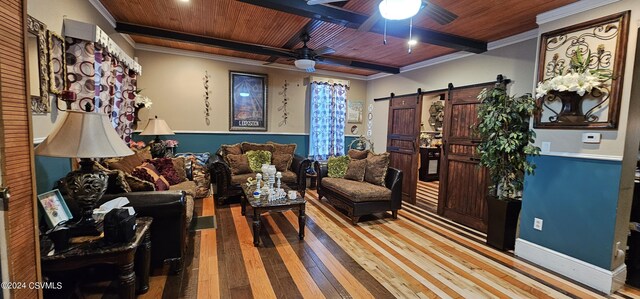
49 170
576 199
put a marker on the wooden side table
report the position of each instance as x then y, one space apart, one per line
131 258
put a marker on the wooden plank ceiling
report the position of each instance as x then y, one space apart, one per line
486 21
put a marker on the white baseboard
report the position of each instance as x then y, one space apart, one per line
603 280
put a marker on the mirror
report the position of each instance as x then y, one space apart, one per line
37 54
57 67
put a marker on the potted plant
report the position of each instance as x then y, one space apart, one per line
506 143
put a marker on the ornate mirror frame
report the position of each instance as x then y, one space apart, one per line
603 44
57 63
40 104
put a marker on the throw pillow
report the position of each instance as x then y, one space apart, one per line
116 182
249 146
144 154
355 170
226 149
180 168
165 168
126 164
282 161
239 164
149 173
357 154
137 184
337 166
377 166
196 168
283 148
257 158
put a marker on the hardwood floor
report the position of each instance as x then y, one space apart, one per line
416 256
427 195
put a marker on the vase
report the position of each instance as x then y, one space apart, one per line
571 110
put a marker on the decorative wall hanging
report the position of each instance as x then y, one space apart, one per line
207 105
370 121
436 115
40 90
248 102
283 107
580 74
354 112
57 64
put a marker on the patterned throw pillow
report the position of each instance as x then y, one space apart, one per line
239 164
165 168
149 173
337 166
358 154
282 161
233 149
116 182
355 170
257 158
283 148
196 165
249 146
126 164
180 168
137 184
377 166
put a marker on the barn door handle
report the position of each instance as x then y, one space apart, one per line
472 159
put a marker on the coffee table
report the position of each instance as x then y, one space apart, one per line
263 205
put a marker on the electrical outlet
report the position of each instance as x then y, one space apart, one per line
537 224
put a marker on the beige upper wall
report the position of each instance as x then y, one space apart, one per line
175 85
52 13
612 143
515 62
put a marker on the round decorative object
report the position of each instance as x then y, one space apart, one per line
370 116
369 133
354 129
436 115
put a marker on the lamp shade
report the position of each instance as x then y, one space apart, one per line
157 126
399 9
83 135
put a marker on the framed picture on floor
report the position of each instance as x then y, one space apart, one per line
248 101
54 207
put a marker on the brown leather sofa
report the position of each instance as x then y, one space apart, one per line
361 198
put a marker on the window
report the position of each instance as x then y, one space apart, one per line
327 120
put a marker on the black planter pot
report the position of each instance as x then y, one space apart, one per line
503 222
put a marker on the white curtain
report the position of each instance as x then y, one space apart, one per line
327 120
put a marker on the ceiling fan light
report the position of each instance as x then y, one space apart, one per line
399 9
305 64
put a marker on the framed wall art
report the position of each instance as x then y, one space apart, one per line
354 112
37 59
57 65
248 101
580 74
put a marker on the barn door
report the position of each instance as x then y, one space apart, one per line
402 140
463 184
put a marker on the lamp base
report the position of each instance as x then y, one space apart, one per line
86 186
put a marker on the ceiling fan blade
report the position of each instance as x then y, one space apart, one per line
439 14
372 20
324 50
314 2
334 61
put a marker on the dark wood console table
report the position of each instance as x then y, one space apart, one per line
429 156
123 255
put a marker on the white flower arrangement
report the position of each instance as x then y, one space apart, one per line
142 100
579 78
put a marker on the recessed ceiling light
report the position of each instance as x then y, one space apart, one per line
412 42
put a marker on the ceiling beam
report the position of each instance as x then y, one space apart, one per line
354 20
153 32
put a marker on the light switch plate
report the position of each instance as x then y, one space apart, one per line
591 137
546 147
537 224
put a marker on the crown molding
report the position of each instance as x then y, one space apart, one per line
195 54
104 12
129 40
514 39
571 9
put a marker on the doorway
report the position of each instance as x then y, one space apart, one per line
430 140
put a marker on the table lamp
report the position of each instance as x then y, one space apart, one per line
157 126
84 135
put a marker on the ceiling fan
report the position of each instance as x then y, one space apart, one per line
305 58
436 12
